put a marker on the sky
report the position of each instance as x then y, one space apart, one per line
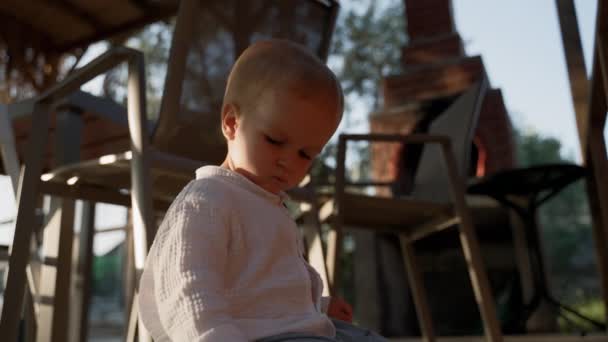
520 43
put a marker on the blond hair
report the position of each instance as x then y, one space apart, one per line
279 65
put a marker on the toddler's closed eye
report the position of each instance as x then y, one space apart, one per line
305 155
273 141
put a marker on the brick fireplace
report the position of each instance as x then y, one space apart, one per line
435 70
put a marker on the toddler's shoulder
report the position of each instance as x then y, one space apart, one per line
200 200
207 192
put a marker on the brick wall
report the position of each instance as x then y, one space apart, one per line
430 50
428 18
435 67
436 80
385 155
435 70
495 133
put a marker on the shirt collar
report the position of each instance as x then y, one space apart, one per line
240 180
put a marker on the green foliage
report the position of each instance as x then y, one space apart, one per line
534 149
367 46
322 168
107 275
154 42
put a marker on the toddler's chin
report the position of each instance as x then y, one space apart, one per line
272 188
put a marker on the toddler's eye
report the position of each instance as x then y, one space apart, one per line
273 141
305 155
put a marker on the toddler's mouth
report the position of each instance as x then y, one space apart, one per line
280 180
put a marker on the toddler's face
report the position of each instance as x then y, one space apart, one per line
275 144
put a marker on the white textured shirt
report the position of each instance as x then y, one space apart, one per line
227 265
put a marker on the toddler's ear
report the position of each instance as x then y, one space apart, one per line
229 121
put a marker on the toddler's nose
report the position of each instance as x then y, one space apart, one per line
282 163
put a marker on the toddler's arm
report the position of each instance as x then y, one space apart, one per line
189 275
334 307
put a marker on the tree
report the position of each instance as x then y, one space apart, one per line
154 42
27 69
534 149
367 46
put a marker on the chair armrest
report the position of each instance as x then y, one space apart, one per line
456 188
417 138
98 66
67 91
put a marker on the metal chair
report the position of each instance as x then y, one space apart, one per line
8 150
437 202
208 37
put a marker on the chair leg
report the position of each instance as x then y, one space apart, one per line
472 252
316 252
128 270
80 324
8 150
334 246
30 318
141 185
135 328
334 242
479 280
416 283
477 271
136 332
132 322
56 272
55 287
24 224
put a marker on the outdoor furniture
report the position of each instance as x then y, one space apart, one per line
30 192
10 163
429 209
71 129
525 190
8 150
589 91
207 39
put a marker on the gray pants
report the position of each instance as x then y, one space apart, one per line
345 332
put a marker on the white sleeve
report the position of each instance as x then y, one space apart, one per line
321 302
316 287
189 275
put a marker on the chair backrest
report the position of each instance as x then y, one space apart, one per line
457 122
209 36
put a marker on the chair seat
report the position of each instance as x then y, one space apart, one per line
98 179
406 215
386 213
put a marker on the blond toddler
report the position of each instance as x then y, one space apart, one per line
227 264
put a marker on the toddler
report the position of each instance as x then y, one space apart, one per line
226 264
